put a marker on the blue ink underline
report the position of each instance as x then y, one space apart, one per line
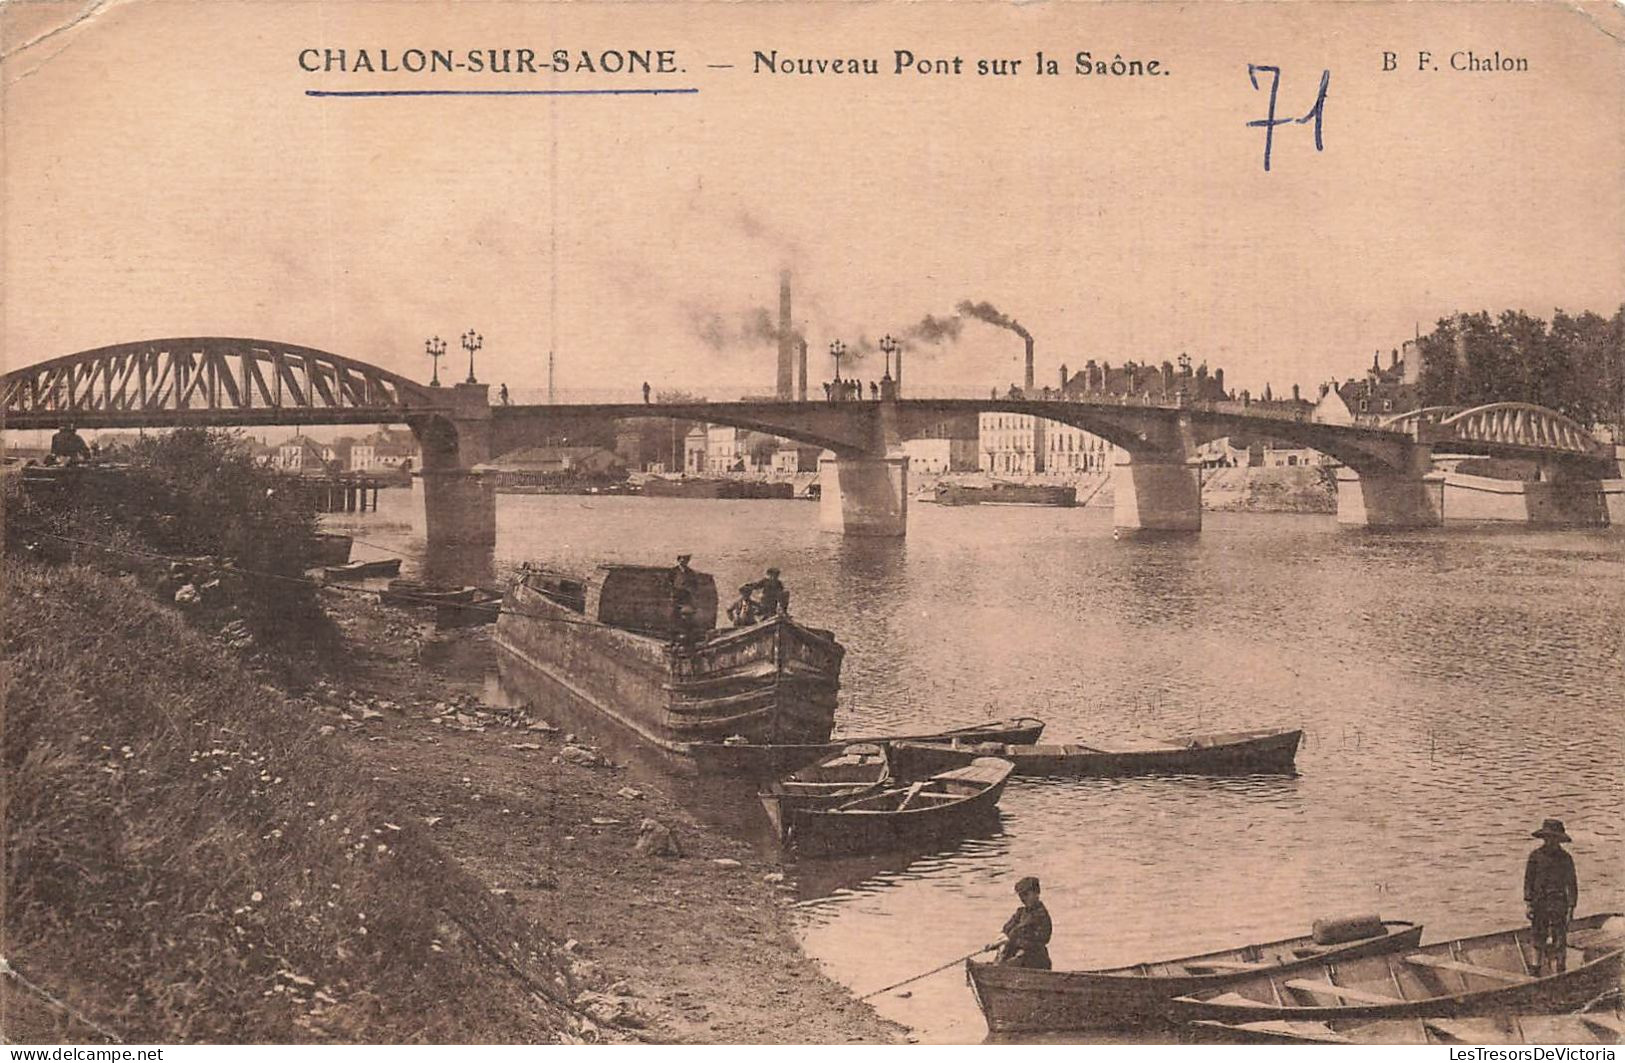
353 93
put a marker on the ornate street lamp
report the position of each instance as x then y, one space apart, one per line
836 350
436 349
472 341
888 347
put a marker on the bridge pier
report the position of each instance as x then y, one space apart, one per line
459 510
1157 494
459 506
863 496
1390 499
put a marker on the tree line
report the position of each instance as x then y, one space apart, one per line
1575 364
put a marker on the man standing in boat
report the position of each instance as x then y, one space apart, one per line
683 583
1550 891
775 595
1026 934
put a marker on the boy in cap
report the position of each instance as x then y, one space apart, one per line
1027 933
775 595
1550 892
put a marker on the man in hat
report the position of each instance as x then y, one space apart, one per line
775 595
683 582
1550 892
1026 934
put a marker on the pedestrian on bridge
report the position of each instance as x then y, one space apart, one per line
646 393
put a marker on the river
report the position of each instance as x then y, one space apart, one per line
1455 686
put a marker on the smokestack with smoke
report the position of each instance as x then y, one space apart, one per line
786 381
993 316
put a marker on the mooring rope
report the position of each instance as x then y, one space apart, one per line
7 969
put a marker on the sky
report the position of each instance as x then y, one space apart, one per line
166 175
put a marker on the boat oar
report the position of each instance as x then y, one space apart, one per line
932 971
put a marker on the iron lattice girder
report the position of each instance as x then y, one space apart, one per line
1523 425
207 380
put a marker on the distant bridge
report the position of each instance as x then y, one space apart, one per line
247 382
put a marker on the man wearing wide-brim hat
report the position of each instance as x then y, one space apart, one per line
1550 892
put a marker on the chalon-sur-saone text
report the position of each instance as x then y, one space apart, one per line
908 63
490 61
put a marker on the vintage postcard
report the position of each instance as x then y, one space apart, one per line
812 522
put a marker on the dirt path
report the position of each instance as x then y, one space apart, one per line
686 949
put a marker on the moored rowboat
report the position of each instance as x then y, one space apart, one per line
855 770
938 807
1482 975
1586 1028
364 569
763 761
411 592
1017 999
1235 753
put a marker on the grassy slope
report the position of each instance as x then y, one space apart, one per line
186 860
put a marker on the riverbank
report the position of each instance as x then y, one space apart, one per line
692 949
195 852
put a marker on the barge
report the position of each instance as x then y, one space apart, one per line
616 648
1000 493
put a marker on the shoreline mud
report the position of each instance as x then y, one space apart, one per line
697 948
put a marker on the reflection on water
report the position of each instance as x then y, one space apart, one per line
1455 686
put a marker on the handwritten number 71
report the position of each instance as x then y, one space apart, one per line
1317 113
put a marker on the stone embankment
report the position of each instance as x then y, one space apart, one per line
1283 489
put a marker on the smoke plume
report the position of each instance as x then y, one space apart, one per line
933 329
993 316
756 327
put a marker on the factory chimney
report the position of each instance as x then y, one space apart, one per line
801 386
1029 341
786 382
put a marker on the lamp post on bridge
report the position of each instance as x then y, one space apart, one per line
472 341
888 384
836 350
436 349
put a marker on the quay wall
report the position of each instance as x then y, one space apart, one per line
1584 502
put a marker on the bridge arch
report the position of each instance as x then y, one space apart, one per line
207 380
1523 424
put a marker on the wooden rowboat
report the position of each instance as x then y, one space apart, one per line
939 807
1236 753
482 606
330 548
1585 1028
1484 975
364 569
766 761
412 593
856 770
1017 999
